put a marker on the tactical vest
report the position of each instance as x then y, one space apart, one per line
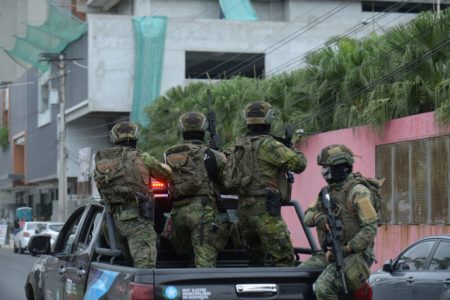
242 175
119 173
189 175
345 211
374 185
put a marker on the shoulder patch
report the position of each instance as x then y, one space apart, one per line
367 212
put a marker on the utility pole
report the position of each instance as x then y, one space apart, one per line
62 178
60 61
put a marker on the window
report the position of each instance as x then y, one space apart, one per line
44 88
224 65
56 227
441 258
416 190
91 224
68 242
415 258
4 106
19 157
399 7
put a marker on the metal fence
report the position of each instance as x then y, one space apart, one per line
416 190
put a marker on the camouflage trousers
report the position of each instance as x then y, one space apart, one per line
329 284
266 236
136 237
192 223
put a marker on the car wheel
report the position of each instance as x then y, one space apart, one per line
22 250
15 248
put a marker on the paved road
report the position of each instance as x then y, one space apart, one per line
13 273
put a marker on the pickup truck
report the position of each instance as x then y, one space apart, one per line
83 264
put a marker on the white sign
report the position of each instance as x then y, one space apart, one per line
195 294
3 231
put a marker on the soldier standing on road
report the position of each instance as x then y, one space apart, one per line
194 189
351 201
256 171
122 175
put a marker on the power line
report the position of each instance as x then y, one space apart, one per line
352 30
407 67
303 56
386 54
281 42
347 33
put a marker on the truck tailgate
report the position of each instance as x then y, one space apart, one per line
234 283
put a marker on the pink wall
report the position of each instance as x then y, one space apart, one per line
363 140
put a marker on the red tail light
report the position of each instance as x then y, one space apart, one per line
157 185
140 291
26 234
363 293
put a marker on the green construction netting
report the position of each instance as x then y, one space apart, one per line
238 10
150 38
59 29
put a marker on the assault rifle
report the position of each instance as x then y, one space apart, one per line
214 142
333 237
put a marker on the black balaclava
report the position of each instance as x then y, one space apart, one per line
194 135
337 173
259 128
128 143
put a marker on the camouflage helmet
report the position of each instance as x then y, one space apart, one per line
124 131
258 112
192 121
335 155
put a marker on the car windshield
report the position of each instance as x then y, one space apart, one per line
34 226
55 227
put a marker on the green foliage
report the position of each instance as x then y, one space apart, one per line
4 138
347 83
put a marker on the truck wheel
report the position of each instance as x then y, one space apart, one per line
30 293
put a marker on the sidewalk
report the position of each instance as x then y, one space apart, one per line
9 242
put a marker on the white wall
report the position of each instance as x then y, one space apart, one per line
111 61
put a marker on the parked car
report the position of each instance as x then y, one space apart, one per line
53 229
420 272
23 236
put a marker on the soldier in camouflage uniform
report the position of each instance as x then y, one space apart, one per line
352 204
135 234
194 189
260 200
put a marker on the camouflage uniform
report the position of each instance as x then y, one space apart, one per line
266 235
193 193
359 218
135 235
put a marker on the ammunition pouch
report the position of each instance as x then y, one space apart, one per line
220 231
273 203
146 206
356 271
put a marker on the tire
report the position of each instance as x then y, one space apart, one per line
30 293
15 248
21 250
